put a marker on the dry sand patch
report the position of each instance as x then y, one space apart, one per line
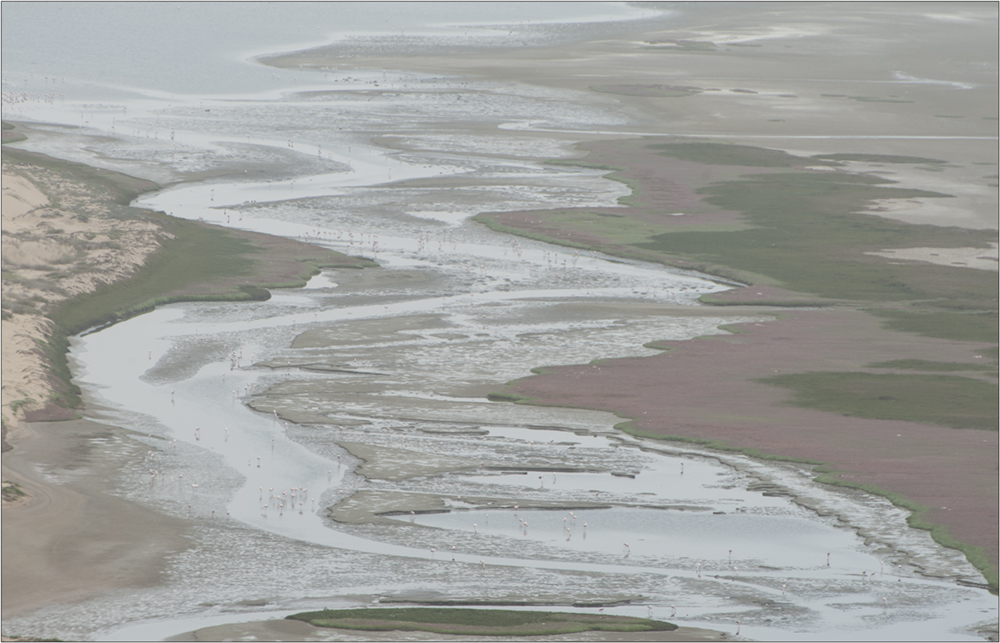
977 258
20 196
72 540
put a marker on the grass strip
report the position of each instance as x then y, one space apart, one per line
927 365
478 622
970 326
878 158
943 400
977 556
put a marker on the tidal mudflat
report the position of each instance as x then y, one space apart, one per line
335 446
252 439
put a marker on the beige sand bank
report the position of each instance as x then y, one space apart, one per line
53 253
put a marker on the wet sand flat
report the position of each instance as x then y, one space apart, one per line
72 539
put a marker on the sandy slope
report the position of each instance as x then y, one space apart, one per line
23 373
56 252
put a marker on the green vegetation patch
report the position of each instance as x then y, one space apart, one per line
9 135
927 365
115 187
978 556
802 230
65 393
879 99
195 254
743 155
478 622
975 326
810 235
197 262
659 91
877 158
944 400
13 492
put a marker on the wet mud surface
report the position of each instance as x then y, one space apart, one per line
335 446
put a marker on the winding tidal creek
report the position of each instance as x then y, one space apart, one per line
334 446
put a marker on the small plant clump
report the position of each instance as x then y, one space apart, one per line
12 492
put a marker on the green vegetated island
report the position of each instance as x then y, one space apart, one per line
478 622
881 371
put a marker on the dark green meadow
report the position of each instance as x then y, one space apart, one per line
944 400
200 262
477 622
808 235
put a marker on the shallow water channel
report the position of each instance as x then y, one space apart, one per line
333 446
364 392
